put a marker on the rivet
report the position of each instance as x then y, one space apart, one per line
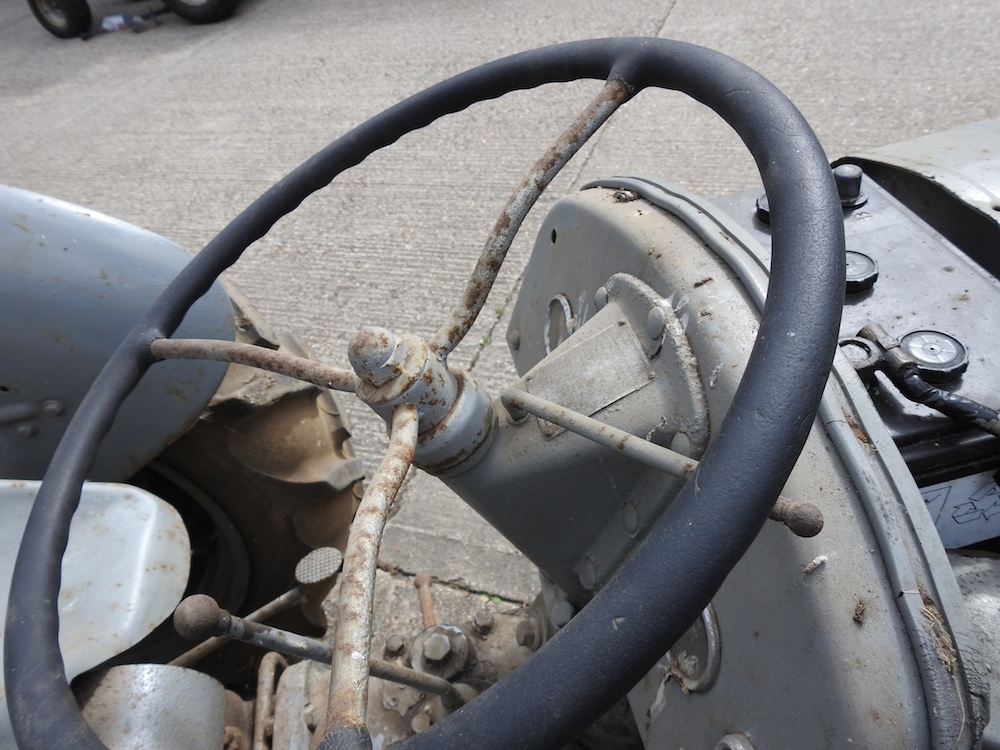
601 297
515 339
656 322
52 408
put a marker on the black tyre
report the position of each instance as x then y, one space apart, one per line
203 11
63 18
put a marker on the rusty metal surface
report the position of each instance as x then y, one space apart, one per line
271 667
352 643
520 202
325 376
423 583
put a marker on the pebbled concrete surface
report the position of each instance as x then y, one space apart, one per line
178 128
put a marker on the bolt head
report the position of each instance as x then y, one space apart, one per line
529 634
437 648
394 644
483 622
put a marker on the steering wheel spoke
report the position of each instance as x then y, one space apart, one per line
613 95
325 376
352 644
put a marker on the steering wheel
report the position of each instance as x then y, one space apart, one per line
671 575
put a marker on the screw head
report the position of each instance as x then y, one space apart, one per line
437 648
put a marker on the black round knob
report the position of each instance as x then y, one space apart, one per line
862 272
940 357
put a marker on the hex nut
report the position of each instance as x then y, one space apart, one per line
437 648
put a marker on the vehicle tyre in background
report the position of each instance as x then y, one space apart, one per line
200 11
64 18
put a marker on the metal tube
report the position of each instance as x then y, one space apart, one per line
657 456
352 644
200 615
803 519
263 710
325 376
613 94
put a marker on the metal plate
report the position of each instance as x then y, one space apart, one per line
125 569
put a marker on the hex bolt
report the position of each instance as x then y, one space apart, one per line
529 634
423 584
437 648
483 622
848 179
25 430
394 645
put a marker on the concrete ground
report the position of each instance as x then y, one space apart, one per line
178 128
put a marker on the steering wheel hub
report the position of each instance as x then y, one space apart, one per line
455 416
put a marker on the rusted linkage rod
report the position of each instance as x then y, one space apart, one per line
803 519
325 376
200 616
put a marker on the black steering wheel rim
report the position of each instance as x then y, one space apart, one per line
647 605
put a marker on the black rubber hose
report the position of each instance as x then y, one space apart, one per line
907 378
630 623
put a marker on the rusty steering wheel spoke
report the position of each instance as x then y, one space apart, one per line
300 368
352 644
614 94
